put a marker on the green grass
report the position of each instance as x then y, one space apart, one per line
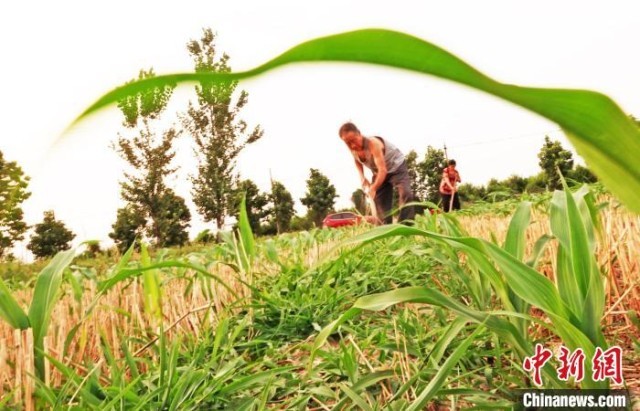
421 324
463 343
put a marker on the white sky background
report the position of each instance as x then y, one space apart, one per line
59 57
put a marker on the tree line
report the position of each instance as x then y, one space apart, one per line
152 210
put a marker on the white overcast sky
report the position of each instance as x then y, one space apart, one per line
58 57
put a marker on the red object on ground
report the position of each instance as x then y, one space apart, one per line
341 220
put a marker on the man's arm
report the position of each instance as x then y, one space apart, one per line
363 181
447 182
376 148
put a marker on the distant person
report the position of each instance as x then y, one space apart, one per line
449 187
389 170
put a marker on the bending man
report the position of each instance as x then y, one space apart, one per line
389 170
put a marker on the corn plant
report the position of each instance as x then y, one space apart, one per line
45 296
240 245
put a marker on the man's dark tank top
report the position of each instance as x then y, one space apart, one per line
393 157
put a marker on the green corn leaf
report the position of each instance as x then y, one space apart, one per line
538 250
247 243
515 244
568 283
516 241
599 130
573 337
10 310
579 279
443 343
245 229
443 372
126 273
45 296
152 298
122 263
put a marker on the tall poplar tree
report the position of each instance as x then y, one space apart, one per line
219 134
149 153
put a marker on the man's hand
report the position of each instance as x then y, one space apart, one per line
369 190
371 193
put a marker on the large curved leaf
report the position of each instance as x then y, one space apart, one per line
601 133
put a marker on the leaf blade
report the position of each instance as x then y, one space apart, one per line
592 121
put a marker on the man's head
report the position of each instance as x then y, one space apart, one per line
350 134
452 162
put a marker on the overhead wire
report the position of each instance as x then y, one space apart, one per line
518 137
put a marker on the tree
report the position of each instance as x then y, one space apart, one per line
149 154
430 174
320 196
13 191
537 183
498 190
93 249
129 225
51 236
581 174
554 157
472 193
205 236
282 203
412 166
214 124
516 184
173 221
359 200
301 223
255 201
